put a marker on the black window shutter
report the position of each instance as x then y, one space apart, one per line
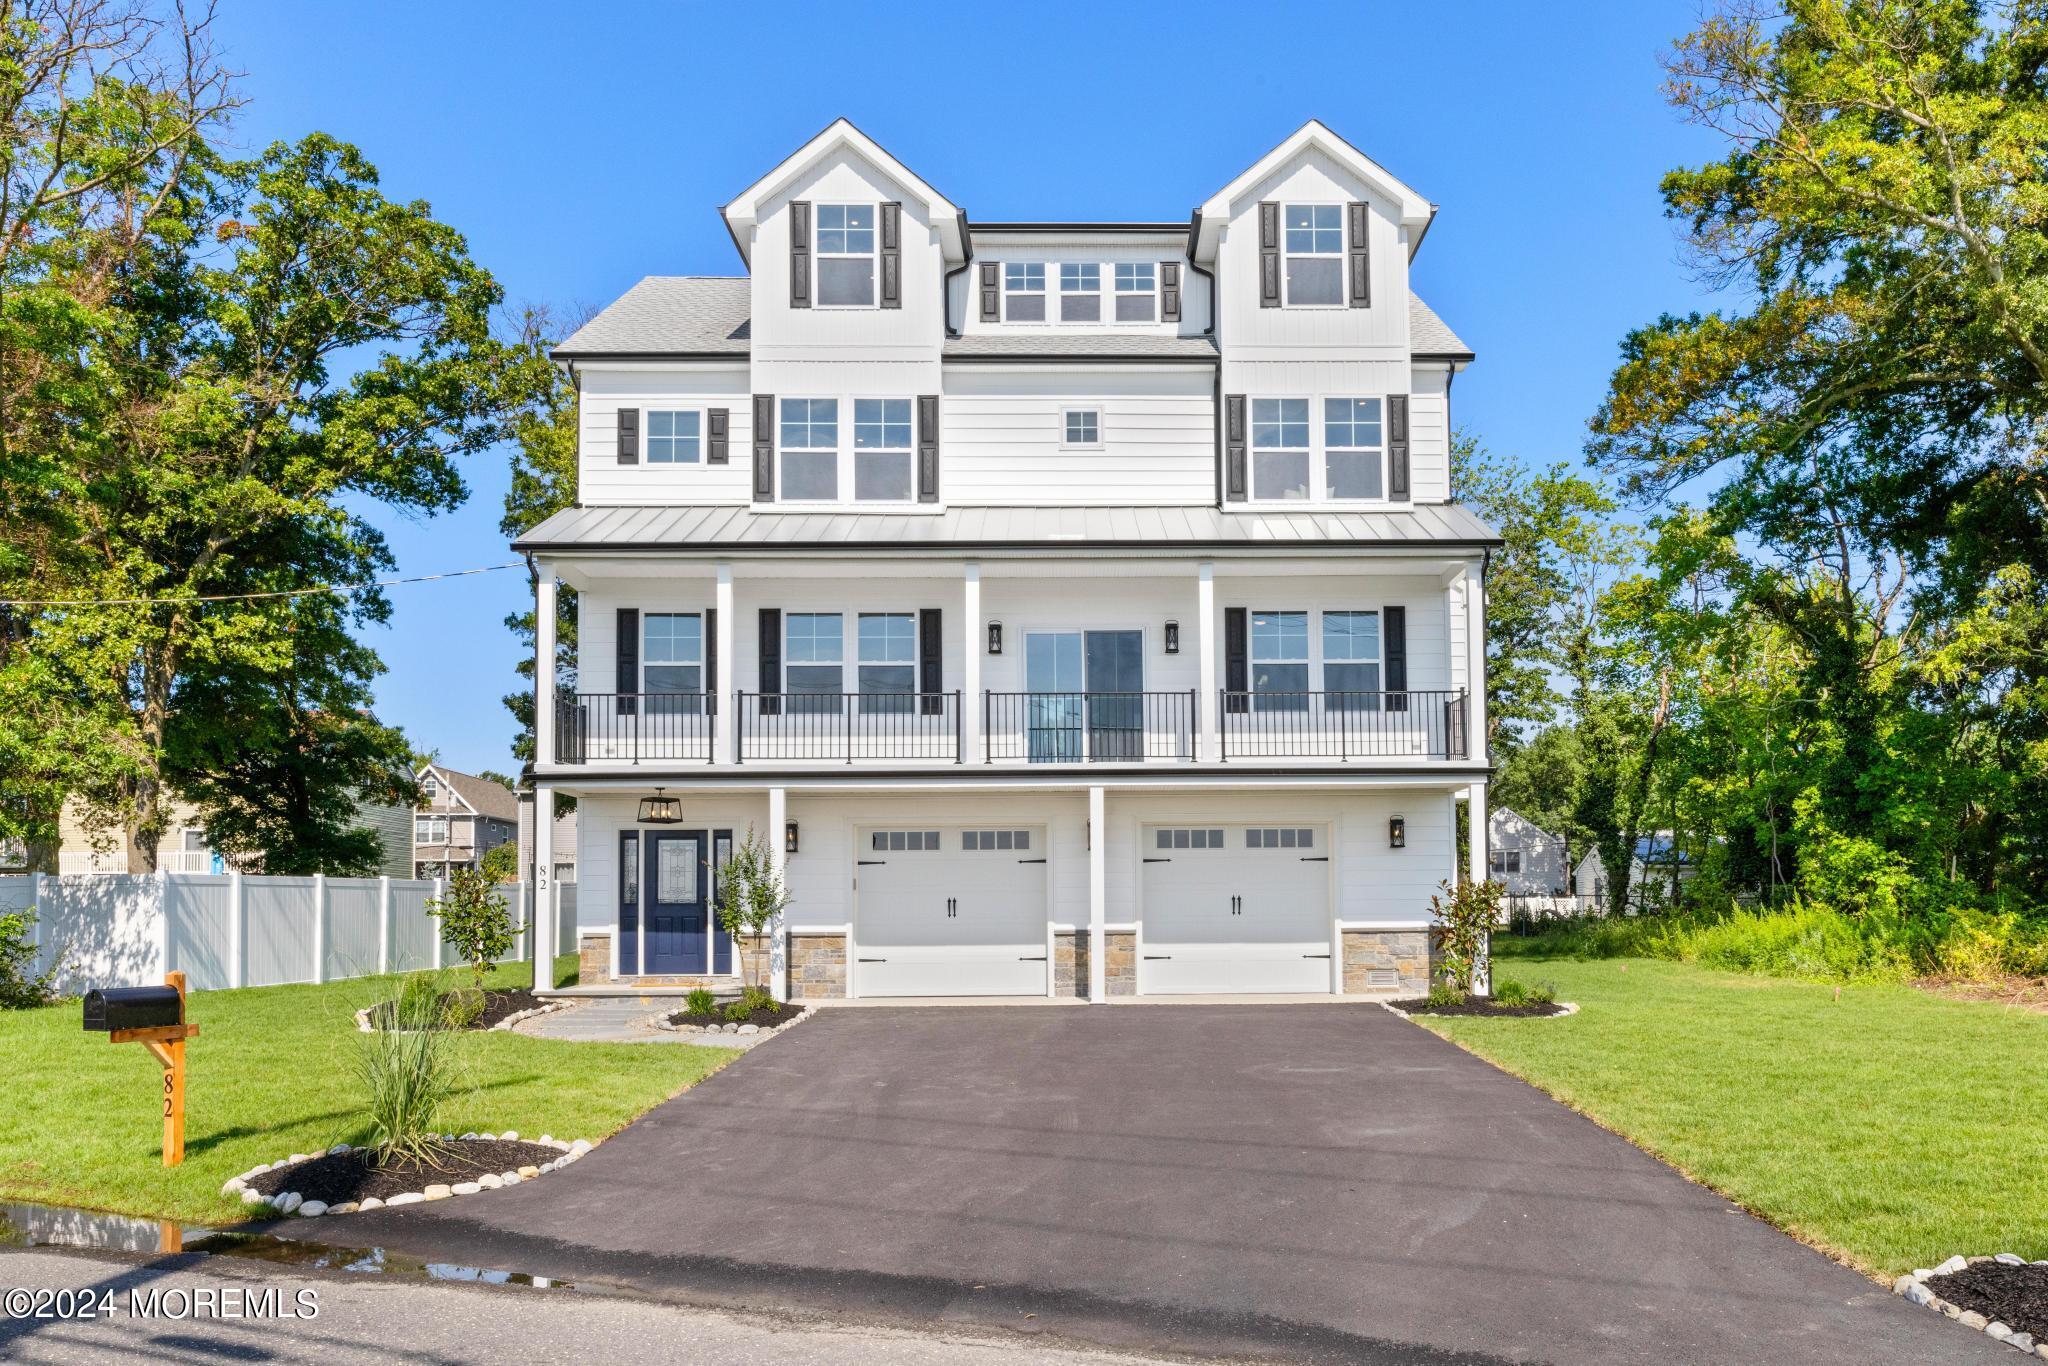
931 676
629 436
1236 660
892 256
1233 448
626 669
1394 627
1269 254
799 254
771 661
991 291
1397 447
764 449
1169 291
927 448
1358 255
718 436
711 653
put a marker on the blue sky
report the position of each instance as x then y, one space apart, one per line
582 147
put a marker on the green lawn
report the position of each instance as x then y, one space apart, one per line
1890 1127
273 1073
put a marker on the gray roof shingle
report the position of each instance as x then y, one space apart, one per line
728 527
707 315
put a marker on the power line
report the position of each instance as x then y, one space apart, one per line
246 597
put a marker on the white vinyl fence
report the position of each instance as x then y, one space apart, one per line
244 931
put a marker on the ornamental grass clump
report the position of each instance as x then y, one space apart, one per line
408 1075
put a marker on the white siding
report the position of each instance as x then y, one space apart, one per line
1050 249
1002 427
1429 435
700 386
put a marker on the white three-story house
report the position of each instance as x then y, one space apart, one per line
1077 609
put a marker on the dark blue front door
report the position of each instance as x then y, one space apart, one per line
678 917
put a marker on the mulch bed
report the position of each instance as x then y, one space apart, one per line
337 1177
497 1006
767 1017
2016 1296
1475 1005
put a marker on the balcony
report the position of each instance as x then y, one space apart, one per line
1087 727
1343 725
1014 727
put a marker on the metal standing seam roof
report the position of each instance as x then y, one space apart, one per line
741 527
708 315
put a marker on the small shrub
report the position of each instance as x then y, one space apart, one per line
757 998
1542 994
1444 994
419 1001
21 986
1509 992
461 1009
700 1002
474 921
738 1012
751 897
1462 921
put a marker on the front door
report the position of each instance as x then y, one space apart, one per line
1087 694
678 912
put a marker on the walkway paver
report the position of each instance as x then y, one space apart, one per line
625 1019
1325 1183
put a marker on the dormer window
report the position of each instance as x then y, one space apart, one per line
1080 292
1137 291
1314 249
846 255
1024 291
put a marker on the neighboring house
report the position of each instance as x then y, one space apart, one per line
564 843
1073 608
460 818
1524 858
184 847
1651 866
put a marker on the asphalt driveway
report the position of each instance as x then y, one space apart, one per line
1299 1182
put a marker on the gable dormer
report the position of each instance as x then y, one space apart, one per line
846 246
1312 243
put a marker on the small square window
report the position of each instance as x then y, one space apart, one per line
1081 427
672 437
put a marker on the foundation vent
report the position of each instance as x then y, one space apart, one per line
1382 977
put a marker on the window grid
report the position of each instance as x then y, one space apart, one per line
1314 248
1024 291
846 255
674 437
1280 448
1081 427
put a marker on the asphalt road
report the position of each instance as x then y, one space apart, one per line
370 1319
1299 1183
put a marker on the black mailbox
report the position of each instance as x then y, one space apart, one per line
111 1008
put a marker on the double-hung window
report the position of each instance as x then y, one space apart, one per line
810 449
674 438
1351 660
881 450
1137 292
430 829
1080 292
1279 661
846 255
1024 291
1354 448
1314 249
1280 453
814 659
888 661
672 661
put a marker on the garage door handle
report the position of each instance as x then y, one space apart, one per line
1030 860
1039 959
869 862
870 960
1325 858
1158 860
1315 955
1159 958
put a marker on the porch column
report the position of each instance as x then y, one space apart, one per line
970 663
1482 976
1208 738
725 720
1098 882
543 883
544 666
778 859
1476 747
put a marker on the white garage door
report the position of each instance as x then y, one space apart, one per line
950 911
1235 908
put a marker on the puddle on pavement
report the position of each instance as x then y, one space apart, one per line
23 1225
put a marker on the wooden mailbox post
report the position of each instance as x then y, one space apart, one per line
155 1018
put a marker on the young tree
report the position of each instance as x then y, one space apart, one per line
475 921
750 898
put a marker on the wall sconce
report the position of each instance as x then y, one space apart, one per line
1397 832
789 838
1173 637
995 637
660 810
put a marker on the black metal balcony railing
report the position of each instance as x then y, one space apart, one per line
1343 725
598 726
1087 727
847 726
